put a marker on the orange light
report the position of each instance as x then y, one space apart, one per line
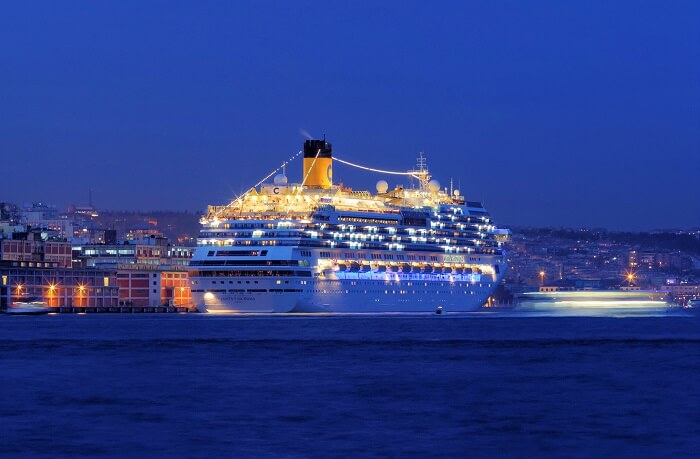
52 287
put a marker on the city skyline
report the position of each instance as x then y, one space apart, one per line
80 204
554 115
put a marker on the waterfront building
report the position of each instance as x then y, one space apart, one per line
153 251
150 272
149 285
33 246
56 286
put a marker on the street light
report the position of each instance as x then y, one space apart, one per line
52 290
81 292
542 273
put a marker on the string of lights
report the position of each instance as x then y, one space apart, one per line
284 164
305 178
348 163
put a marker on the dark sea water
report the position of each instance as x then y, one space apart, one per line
477 385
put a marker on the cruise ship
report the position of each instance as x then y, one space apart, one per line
316 246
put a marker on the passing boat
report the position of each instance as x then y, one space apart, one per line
28 308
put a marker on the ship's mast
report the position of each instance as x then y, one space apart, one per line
421 171
421 162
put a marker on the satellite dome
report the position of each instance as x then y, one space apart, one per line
382 186
280 179
434 186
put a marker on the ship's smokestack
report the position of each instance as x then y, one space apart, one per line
318 164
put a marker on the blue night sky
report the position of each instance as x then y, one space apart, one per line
555 113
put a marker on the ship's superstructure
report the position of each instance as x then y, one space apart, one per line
315 246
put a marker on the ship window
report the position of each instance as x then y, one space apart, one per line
237 253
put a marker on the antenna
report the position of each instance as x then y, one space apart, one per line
421 163
421 171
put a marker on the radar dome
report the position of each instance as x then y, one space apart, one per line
434 186
382 186
280 179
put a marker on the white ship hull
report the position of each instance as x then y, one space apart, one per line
356 293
